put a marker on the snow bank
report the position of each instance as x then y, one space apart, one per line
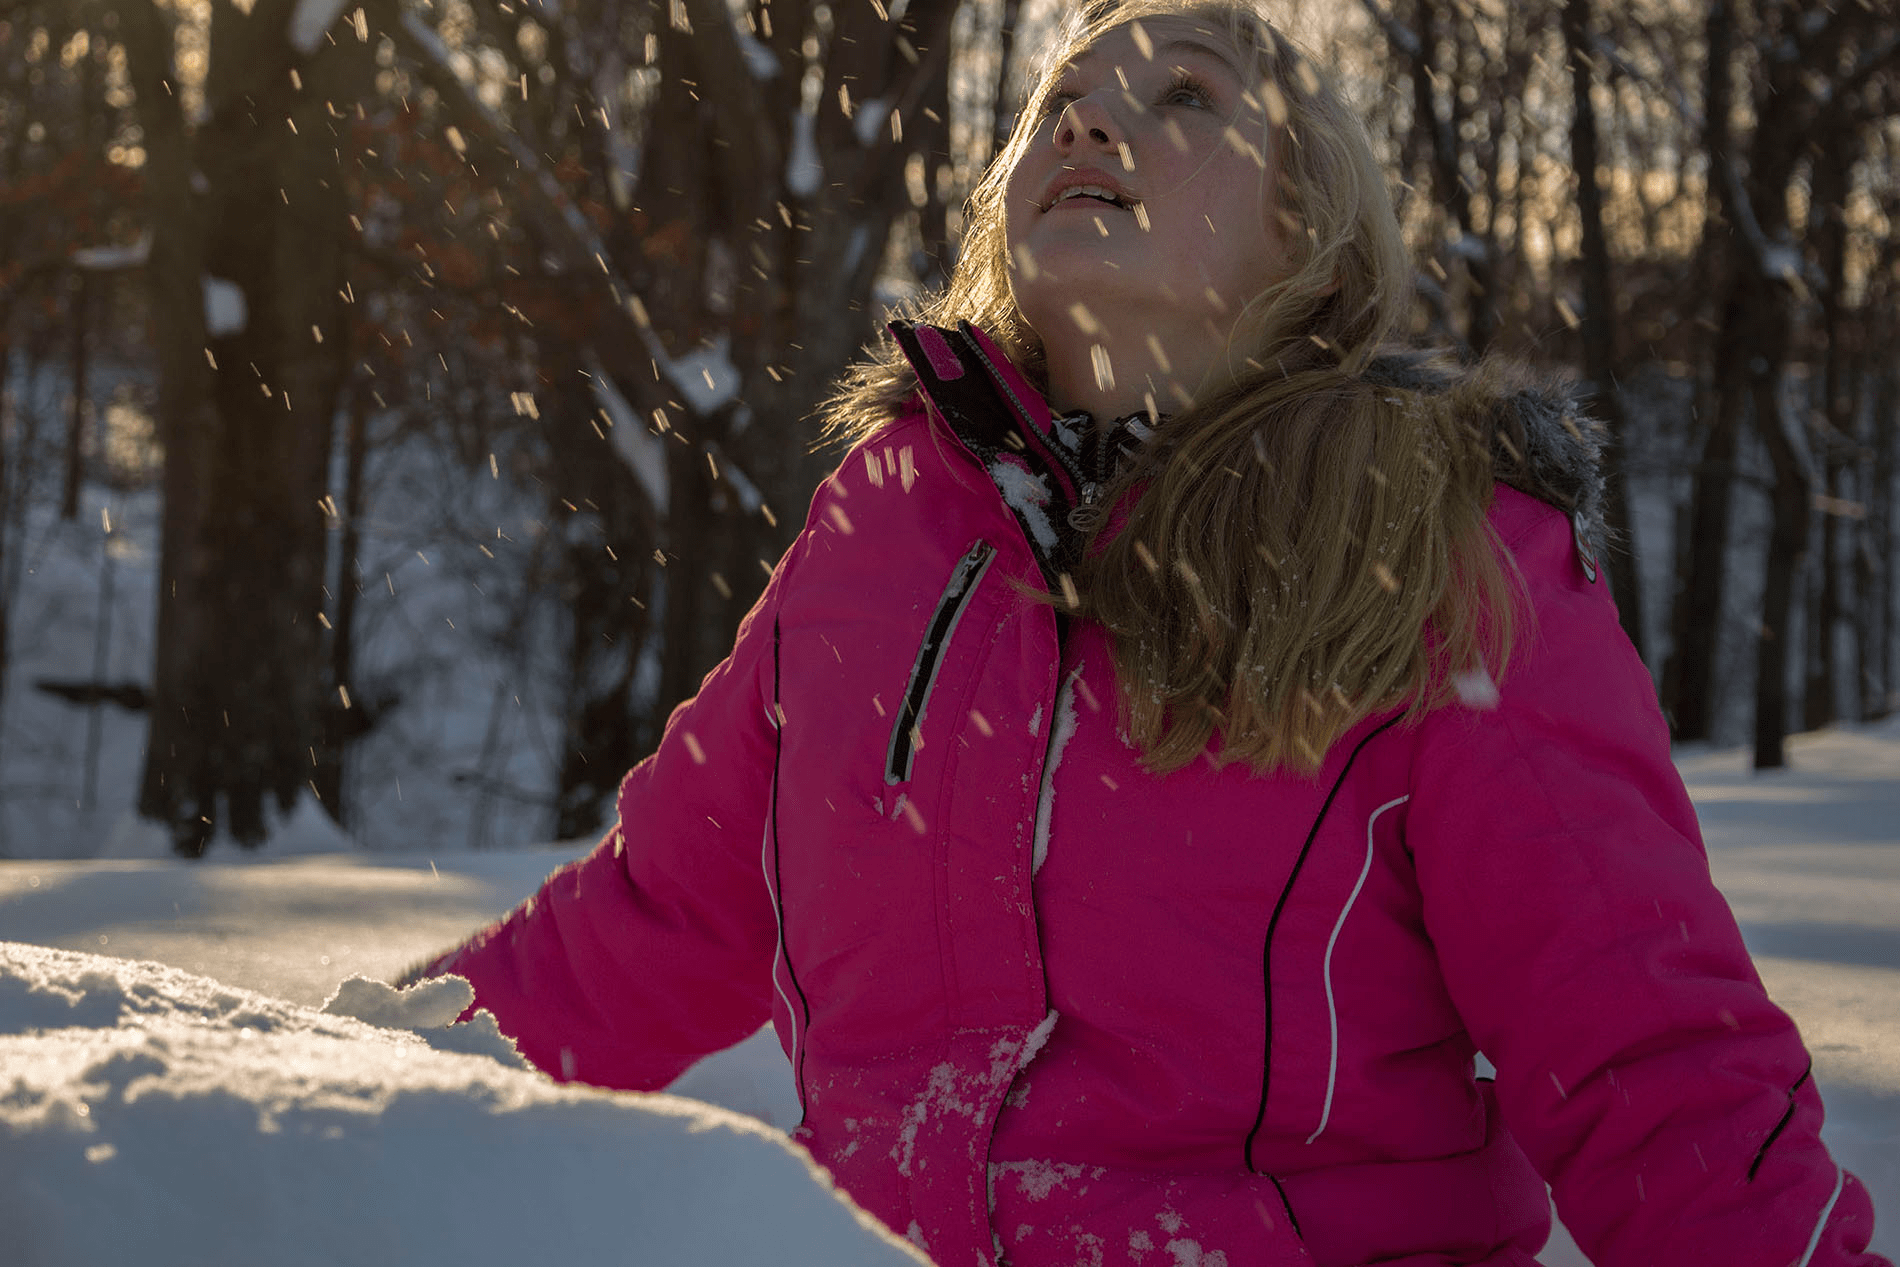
151 1116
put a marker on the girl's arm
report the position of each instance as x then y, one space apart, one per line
1640 1062
656 948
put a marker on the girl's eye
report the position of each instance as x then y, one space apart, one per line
1056 102
1185 90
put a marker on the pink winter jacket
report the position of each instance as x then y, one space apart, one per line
1044 1008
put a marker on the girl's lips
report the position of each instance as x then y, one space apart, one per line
1096 182
1091 204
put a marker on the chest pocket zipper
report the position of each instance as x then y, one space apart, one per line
906 733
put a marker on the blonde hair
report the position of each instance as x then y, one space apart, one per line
1307 544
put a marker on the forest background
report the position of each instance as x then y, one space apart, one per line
418 392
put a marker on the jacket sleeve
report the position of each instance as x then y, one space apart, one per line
1640 1062
657 947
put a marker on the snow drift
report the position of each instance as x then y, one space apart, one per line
151 1116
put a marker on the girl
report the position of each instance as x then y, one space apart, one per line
1179 741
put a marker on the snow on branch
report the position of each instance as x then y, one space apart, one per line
760 60
804 170
751 500
226 313
111 259
641 449
310 20
870 119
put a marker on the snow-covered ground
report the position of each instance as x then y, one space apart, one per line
173 1094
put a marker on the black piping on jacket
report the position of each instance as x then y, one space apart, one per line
803 1021
1273 923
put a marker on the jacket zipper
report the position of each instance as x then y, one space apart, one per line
906 733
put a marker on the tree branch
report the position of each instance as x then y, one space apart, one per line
540 193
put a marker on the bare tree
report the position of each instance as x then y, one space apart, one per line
248 240
1600 361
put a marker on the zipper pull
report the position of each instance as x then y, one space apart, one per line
1083 518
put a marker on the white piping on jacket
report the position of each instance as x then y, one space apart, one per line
1814 1241
778 920
1061 730
1332 1007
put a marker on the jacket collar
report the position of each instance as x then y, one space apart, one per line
1542 444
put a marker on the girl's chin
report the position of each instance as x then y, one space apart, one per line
1075 270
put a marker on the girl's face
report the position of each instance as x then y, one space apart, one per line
1144 194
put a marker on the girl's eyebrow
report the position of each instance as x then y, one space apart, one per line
1180 44
1185 45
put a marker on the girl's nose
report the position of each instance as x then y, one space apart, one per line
1088 121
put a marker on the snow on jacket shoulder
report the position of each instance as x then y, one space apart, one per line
1045 1008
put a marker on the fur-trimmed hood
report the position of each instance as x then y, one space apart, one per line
1544 446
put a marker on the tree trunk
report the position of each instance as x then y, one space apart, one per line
606 568
81 313
175 789
938 243
6 535
346 715
81 410
1689 674
704 582
1003 100
1793 501
1880 647
796 320
1481 320
1599 340
1827 224
240 680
